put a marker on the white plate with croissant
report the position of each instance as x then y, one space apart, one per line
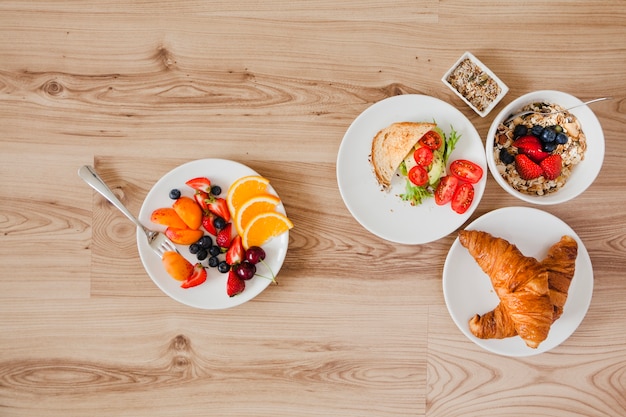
518 281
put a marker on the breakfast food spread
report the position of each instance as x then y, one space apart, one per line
532 293
536 153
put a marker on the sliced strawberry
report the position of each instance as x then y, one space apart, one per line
198 276
235 252
234 284
552 166
219 207
531 146
527 168
224 238
207 223
201 198
200 184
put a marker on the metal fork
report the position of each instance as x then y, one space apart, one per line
524 113
157 240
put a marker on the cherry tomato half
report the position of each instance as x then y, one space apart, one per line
423 156
431 139
463 197
418 176
466 170
445 189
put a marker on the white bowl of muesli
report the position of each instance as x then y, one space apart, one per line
547 157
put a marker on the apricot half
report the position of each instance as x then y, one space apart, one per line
177 266
189 211
183 236
167 216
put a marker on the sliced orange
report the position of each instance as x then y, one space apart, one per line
263 227
261 203
243 189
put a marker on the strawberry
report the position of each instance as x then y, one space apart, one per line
198 276
552 166
219 207
207 223
531 146
527 168
234 284
200 184
235 252
201 198
224 238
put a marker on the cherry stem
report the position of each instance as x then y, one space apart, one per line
273 278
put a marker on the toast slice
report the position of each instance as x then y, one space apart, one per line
392 144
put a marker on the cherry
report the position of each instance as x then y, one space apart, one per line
255 254
245 270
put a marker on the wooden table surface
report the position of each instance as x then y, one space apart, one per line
358 325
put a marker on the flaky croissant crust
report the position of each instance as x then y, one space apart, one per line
532 293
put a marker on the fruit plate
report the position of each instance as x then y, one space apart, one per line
384 213
212 293
467 289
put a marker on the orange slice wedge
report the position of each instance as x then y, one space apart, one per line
263 227
261 203
243 189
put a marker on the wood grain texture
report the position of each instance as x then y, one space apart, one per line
357 326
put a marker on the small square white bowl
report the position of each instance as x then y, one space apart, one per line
503 87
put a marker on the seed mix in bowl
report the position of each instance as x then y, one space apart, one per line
554 134
473 83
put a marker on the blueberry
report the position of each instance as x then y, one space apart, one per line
547 135
194 248
506 157
223 267
205 242
520 130
202 254
214 250
219 223
536 130
213 261
561 138
216 190
174 193
549 146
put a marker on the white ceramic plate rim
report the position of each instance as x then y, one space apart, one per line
468 290
383 213
211 294
583 175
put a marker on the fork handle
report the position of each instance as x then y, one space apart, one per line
91 177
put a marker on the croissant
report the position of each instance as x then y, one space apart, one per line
560 264
520 282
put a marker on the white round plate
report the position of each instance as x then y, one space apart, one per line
212 293
467 289
384 213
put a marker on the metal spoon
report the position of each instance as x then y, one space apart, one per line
524 113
